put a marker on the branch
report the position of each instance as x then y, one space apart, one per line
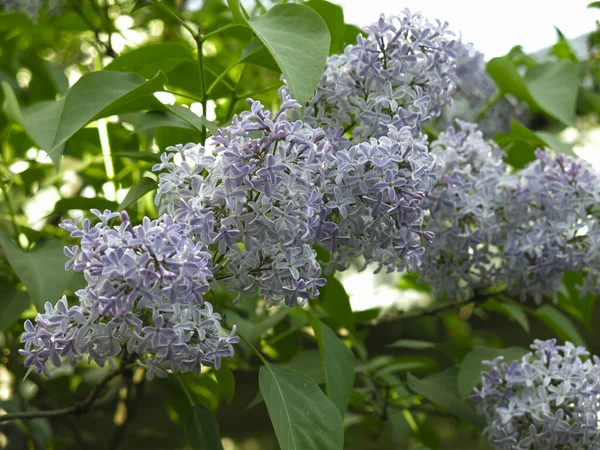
78 408
434 310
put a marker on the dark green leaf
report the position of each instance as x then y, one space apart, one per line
42 270
155 119
442 390
511 310
192 119
333 16
226 381
351 33
302 416
256 53
310 363
85 203
508 79
469 374
570 299
406 363
336 303
338 361
138 190
559 323
299 41
594 5
413 344
202 429
12 304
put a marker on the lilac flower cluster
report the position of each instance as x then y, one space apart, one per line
549 400
464 213
375 192
144 295
474 89
401 74
256 203
520 231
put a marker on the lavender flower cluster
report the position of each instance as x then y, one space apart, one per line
522 231
549 400
144 294
474 89
401 74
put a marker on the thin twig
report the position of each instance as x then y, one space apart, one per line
77 409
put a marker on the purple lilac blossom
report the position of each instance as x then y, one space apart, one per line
401 74
144 295
374 193
464 213
256 204
519 231
474 88
549 400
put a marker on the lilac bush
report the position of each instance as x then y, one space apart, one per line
549 400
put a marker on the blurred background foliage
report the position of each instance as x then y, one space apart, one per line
131 69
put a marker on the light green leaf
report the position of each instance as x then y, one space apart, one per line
336 303
10 107
554 88
149 59
85 203
238 14
442 390
338 361
42 270
469 374
12 304
310 363
256 53
561 324
299 41
192 119
508 79
145 185
155 119
202 429
302 416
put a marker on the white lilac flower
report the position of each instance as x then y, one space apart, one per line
548 400
474 89
401 74
144 295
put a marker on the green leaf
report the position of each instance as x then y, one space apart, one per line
256 53
310 363
333 16
202 429
155 119
554 88
552 142
42 270
561 324
302 416
85 203
149 59
351 33
299 41
594 5
510 310
413 344
192 119
519 145
338 361
238 15
95 95
570 299
336 303
442 390
226 382
10 106
469 374
139 5
145 185
12 304
508 79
